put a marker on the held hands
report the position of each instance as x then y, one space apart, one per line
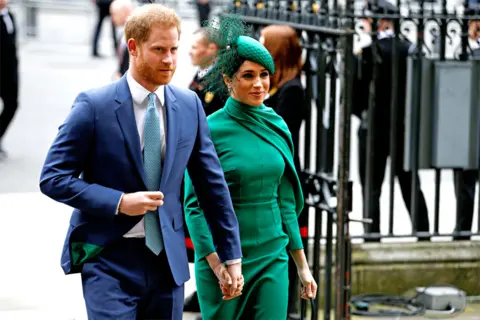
139 203
309 286
229 278
235 290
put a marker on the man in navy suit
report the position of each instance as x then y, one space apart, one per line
118 160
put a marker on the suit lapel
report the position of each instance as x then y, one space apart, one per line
172 133
126 119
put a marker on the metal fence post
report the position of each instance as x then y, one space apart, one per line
343 194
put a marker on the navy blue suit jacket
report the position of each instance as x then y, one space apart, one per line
96 157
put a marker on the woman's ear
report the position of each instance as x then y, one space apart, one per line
227 81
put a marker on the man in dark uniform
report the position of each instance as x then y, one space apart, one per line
380 53
8 70
120 10
203 54
466 180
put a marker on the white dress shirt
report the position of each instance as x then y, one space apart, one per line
7 20
140 106
474 44
388 33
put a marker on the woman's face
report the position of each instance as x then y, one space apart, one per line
250 84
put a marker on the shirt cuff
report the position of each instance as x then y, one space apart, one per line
118 206
234 261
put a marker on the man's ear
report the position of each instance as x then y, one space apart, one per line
132 47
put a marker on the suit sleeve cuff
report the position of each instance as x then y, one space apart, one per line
234 261
118 206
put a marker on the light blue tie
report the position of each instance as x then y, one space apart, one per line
152 162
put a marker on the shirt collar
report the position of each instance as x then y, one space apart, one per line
4 12
203 72
139 93
385 34
474 44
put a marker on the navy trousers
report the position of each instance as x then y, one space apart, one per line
128 282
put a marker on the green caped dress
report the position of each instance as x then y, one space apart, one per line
256 153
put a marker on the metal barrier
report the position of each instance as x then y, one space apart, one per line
421 115
416 121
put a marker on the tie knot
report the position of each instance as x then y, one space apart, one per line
151 99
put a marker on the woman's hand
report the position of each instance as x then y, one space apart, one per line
224 279
309 286
238 291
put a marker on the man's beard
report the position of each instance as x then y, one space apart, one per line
150 74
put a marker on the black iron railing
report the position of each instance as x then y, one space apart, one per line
333 35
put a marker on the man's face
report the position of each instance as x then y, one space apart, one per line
156 58
120 14
474 30
3 4
200 52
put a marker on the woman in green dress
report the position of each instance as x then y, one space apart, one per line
256 153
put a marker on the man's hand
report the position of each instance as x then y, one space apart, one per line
139 203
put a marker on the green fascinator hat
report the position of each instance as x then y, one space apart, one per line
230 34
252 50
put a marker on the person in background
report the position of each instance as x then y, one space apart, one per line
286 95
103 10
203 8
363 76
255 150
474 30
120 10
202 53
287 98
9 80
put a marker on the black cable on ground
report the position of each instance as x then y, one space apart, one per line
360 306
